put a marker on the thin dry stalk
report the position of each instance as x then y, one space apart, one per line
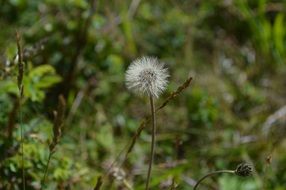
173 95
20 62
57 131
58 123
20 87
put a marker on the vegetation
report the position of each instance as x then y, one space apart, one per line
65 106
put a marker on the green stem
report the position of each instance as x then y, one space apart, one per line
22 145
46 170
153 141
211 174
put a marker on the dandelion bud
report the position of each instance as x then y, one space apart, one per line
147 76
243 170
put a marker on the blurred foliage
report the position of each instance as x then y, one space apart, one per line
234 49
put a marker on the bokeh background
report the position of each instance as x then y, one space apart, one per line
233 111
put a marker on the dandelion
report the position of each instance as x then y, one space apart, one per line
148 76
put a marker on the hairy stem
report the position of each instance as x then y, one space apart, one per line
153 141
211 174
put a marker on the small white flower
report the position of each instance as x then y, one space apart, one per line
147 76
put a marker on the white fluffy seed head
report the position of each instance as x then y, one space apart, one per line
147 76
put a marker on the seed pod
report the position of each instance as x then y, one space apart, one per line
243 170
58 123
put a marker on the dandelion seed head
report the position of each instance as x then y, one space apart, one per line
147 76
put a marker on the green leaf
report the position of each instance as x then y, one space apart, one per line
39 79
8 87
41 70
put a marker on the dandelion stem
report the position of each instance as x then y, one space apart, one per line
153 141
211 174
